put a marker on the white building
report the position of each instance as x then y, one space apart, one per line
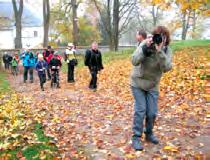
32 27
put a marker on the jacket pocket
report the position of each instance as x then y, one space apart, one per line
137 71
145 84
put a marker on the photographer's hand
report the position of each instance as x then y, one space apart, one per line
159 47
149 41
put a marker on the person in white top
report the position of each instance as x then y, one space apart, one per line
70 58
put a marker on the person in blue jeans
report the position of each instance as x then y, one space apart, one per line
41 67
150 60
29 61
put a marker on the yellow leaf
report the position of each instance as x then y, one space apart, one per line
167 148
170 148
110 116
130 156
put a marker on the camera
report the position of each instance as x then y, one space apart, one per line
157 38
149 50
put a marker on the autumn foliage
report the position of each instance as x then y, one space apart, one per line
85 124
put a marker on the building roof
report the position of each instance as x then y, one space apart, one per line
29 19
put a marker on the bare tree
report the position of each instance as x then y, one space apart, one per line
155 15
115 17
46 18
194 20
72 7
147 23
185 24
18 22
74 21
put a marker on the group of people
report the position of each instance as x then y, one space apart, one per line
150 60
11 62
48 63
42 62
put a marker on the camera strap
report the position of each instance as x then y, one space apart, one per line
165 49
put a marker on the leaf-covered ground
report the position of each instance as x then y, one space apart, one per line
97 125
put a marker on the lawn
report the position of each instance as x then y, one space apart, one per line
119 55
20 136
4 84
177 45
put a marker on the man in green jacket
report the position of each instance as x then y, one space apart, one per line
150 60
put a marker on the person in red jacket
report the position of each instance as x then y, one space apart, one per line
48 54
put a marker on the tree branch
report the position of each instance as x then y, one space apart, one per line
15 7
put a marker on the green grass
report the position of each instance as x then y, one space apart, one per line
106 58
177 45
33 152
111 55
4 84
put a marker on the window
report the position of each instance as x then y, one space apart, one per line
35 34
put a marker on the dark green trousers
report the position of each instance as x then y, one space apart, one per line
26 71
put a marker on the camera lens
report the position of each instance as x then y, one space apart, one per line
157 38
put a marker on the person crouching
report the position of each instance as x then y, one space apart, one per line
41 67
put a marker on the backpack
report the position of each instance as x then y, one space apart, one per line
14 62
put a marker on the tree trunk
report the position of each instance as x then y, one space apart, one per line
194 21
75 21
111 43
18 22
109 25
46 18
194 24
116 24
185 25
18 38
154 15
111 13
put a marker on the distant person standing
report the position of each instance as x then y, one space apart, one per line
71 60
48 54
7 60
93 59
29 61
14 64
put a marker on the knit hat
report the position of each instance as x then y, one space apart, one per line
40 56
70 45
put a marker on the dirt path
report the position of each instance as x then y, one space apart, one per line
97 125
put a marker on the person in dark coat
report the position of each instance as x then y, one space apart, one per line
55 65
7 60
41 68
93 60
